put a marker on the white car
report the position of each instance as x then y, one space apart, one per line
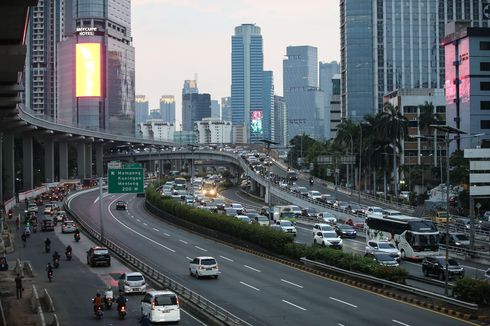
59 216
132 283
204 266
161 306
327 217
383 246
237 206
287 226
391 212
373 210
320 227
68 227
295 209
328 239
313 194
32 208
244 218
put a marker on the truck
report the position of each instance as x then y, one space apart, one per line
283 213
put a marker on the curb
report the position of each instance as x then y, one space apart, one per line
47 297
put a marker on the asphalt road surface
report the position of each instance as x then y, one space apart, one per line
260 291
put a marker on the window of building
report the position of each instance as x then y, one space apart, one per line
485 105
484 66
484 46
485 124
485 86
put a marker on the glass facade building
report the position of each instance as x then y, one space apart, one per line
268 105
167 108
247 61
304 100
105 22
392 44
327 71
195 107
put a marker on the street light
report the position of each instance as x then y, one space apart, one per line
268 143
192 146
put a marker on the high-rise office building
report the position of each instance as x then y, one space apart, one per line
45 30
167 108
280 121
247 61
190 87
268 104
141 109
327 71
100 92
213 131
304 100
226 108
195 107
335 109
391 44
215 109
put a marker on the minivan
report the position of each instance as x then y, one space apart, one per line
161 306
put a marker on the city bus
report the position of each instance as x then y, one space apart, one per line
414 237
209 189
180 183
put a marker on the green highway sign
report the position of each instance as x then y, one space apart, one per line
126 181
132 166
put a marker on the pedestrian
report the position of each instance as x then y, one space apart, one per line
18 286
17 221
24 239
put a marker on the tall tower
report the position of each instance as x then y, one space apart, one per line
327 71
141 109
100 92
247 61
167 108
392 44
304 100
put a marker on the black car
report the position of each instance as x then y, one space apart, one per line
98 256
345 231
121 205
140 194
436 265
383 259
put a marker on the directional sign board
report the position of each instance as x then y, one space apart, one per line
132 166
126 181
114 165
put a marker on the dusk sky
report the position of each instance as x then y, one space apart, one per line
177 39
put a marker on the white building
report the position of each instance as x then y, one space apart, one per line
213 131
157 129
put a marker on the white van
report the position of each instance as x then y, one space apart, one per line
161 306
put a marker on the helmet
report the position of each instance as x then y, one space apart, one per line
98 294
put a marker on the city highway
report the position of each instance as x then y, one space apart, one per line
260 291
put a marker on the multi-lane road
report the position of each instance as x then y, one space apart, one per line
260 291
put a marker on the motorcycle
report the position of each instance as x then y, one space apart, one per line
50 275
77 237
98 312
122 311
68 255
311 182
56 262
47 248
108 303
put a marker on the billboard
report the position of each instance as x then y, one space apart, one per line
256 118
88 69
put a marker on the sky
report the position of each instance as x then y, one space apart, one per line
177 40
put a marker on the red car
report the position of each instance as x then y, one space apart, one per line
358 225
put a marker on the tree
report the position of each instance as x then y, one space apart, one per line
428 117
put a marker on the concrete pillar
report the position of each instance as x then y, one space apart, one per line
9 167
27 163
253 186
63 160
261 191
81 152
99 160
49 160
88 160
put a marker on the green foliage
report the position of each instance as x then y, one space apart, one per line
279 243
471 290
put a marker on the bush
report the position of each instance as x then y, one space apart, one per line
471 290
277 242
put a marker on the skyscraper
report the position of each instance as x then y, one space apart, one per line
247 61
327 71
141 109
280 121
391 44
190 87
304 100
99 44
215 109
167 108
226 108
195 106
268 104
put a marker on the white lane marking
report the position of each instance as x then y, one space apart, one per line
103 195
227 258
138 220
134 231
184 241
340 324
188 257
145 224
294 305
200 248
300 286
252 287
167 234
156 229
200 322
254 269
399 322
349 304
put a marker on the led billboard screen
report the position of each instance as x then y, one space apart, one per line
256 117
87 69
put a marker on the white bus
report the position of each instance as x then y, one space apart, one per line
414 237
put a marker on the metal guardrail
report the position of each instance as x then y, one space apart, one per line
395 285
198 300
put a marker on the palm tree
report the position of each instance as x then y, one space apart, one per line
393 127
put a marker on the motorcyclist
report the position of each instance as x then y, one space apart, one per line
68 250
56 256
97 301
121 301
311 180
49 269
47 244
76 235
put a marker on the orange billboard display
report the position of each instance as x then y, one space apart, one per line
88 69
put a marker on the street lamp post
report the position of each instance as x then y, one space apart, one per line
269 196
360 165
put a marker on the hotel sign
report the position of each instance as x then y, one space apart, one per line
86 31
